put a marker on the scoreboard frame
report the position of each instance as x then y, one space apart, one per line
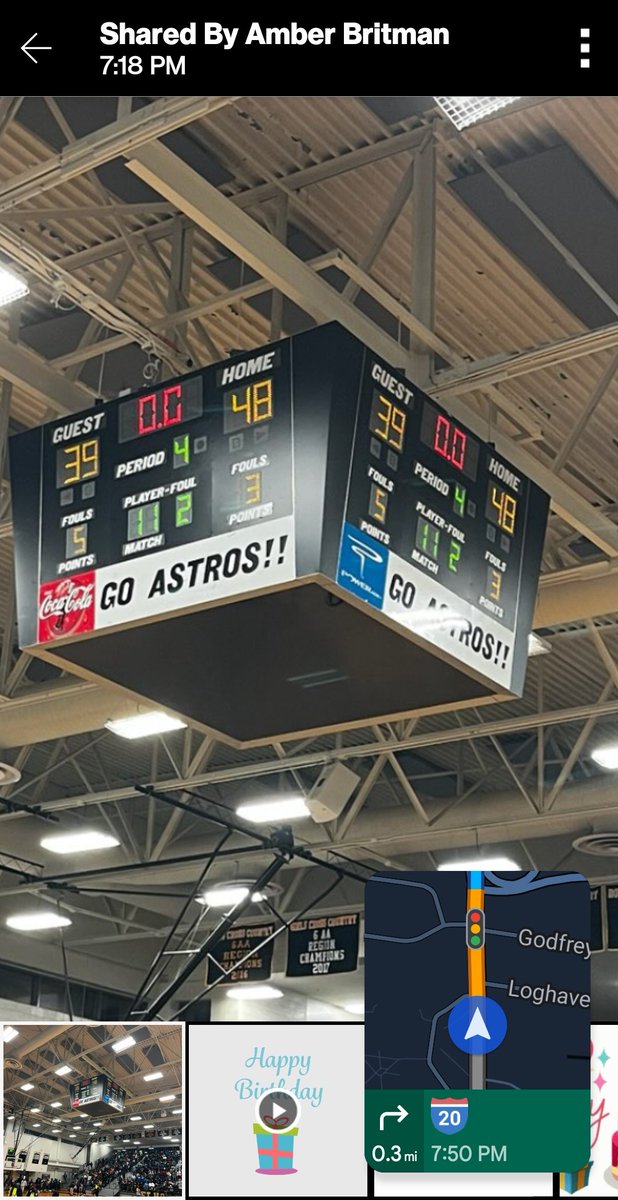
338 497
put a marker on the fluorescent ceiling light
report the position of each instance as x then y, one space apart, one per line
72 1135
258 991
148 1126
164 1099
9 1033
36 1124
144 725
84 1117
77 843
221 897
57 1120
123 1044
537 645
29 922
135 1118
137 1143
34 1110
63 1070
56 1104
175 1139
119 1131
12 286
480 864
97 1124
355 1006
606 756
176 1112
467 110
264 811
27 1087
155 1075
126 1139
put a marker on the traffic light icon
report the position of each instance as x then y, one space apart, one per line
475 928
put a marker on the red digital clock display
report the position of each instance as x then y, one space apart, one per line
452 444
164 408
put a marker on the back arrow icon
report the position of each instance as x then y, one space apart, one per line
29 44
401 1115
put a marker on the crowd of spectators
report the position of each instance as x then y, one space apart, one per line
29 1185
155 1171
151 1172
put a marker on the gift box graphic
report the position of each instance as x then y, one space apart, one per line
574 1181
275 1151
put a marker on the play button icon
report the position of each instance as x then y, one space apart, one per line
277 1110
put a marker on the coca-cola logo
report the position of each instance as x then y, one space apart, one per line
66 607
77 598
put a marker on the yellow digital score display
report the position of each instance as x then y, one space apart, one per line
77 463
501 509
248 405
253 488
378 503
387 421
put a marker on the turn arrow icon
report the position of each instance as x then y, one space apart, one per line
401 1115
27 47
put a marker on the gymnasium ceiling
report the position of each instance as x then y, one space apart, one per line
520 313
44 1109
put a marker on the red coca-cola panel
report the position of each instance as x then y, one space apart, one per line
66 607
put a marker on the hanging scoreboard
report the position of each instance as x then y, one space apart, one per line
386 557
99 1094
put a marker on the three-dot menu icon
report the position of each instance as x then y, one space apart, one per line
584 47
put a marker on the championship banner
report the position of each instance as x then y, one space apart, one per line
611 893
234 945
323 945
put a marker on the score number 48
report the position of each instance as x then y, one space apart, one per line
502 508
252 404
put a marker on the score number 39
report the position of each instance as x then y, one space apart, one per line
77 462
388 422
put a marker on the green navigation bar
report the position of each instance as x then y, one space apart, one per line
529 1130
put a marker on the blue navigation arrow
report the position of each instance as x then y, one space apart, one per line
477 1025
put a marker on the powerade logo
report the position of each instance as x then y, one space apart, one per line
362 566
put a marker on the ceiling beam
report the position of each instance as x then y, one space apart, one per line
577 594
351 160
69 211
590 407
489 819
107 143
264 767
52 273
30 371
9 107
500 367
218 216
384 228
246 291
41 1039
